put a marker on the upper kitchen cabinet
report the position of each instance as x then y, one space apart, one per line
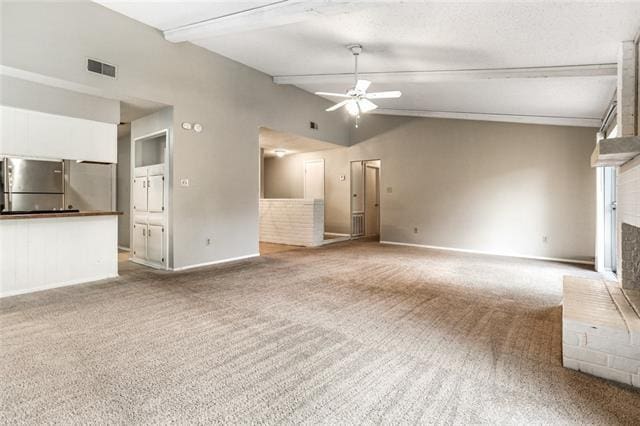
26 133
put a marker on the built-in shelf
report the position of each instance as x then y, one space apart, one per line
615 151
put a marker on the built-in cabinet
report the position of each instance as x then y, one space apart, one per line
149 189
26 133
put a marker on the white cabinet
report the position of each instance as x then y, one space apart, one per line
155 238
139 191
149 218
155 193
140 240
148 243
27 133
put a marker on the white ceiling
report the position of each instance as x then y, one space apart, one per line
270 140
424 36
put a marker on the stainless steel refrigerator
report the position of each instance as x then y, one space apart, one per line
32 185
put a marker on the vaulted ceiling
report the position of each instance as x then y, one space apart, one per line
551 62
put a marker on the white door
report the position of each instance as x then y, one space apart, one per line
154 244
372 200
140 194
314 179
155 186
139 240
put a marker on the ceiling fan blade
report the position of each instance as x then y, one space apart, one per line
384 95
366 105
338 105
362 85
338 95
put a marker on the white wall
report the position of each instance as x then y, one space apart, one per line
19 93
494 187
230 100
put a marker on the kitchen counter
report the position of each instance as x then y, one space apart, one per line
49 250
60 214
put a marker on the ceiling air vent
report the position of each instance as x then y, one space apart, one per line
101 68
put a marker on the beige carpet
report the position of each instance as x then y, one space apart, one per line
348 333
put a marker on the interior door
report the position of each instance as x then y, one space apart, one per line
140 194
372 201
139 240
154 244
155 187
314 179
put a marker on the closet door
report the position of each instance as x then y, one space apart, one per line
154 244
140 194
140 240
155 186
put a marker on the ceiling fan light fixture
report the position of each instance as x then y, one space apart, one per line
357 99
280 152
352 108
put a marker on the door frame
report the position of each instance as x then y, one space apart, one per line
168 169
351 236
304 174
364 181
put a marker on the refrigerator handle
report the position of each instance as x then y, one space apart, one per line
9 182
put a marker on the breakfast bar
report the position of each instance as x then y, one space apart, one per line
39 251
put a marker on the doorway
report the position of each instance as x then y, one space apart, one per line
365 198
610 219
314 179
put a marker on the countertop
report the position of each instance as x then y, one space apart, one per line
61 214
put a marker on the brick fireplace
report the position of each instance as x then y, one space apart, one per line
629 217
630 254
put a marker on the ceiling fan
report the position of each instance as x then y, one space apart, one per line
358 100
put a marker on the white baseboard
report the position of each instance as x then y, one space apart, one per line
337 234
123 248
58 285
216 262
521 256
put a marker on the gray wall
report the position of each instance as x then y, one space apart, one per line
123 185
229 99
25 94
495 187
284 178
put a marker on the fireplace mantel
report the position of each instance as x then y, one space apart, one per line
615 151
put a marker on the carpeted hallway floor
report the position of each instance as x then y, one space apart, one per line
348 333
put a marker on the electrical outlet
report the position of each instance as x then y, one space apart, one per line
545 239
415 230
389 190
342 178
184 182
208 241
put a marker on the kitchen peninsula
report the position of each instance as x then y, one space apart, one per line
45 241
47 250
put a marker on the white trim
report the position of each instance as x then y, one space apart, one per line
336 234
57 285
521 256
273 14
216 262
505 118
609 70
123 248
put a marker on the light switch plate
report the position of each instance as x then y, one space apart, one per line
184 182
